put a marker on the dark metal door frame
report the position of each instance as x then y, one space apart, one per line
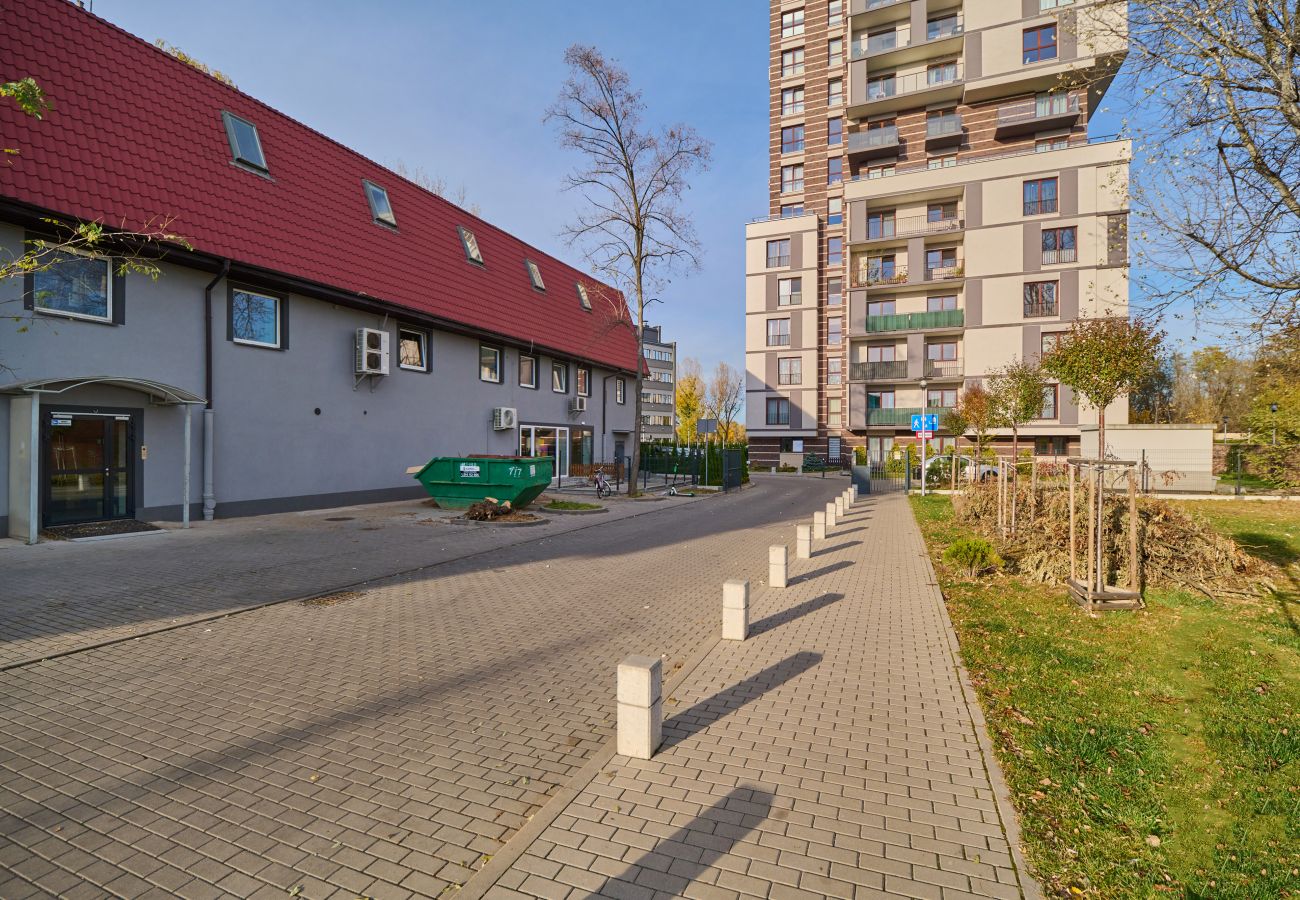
131 471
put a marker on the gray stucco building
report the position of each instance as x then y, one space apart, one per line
659 389
331 325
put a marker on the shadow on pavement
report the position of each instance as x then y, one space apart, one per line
846 545
776 620
706 712
817 573
677 860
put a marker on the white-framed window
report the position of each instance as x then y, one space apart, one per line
620 390
835 13
77 285
489 364
245 145
584 381
413 349
583 298
789 291
381 211
527 371
535 275
835 92
792 24
559 377
256 319
835 52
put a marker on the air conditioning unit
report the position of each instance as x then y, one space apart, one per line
504 418
372 351
578 404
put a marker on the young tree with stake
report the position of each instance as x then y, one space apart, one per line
633 179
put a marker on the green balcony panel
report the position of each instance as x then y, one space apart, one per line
948 318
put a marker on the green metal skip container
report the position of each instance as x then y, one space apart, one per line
457 482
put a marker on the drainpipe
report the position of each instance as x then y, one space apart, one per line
209 496
604 405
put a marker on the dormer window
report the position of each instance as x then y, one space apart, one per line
381 211
470 243
582 296
535 275
245 146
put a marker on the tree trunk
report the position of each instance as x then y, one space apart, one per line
1015 473
1101 432
634 469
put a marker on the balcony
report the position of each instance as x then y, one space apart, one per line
1028 116
900 415
948 318
943 131
911 226
873 143
1042 310
893 370
944 369
897 275
893 92
902 38
945 273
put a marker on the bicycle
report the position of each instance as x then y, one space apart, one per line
603 488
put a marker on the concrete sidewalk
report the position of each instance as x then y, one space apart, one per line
838 752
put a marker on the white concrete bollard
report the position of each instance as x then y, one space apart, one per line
853 493
840 511
778 559
803 542
819 526
830 517
640 706
735 609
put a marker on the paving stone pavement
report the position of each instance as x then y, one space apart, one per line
837 753
62 596
384 746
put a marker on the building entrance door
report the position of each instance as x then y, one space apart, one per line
88 464
541 440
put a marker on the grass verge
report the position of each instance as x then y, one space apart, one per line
1149 754
571 504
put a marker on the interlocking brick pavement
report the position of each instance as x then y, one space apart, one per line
383 746
61 596
837 753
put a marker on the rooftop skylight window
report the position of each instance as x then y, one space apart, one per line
535 275
380 209
470 243
582 296
245 146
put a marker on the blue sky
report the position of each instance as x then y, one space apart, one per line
459 90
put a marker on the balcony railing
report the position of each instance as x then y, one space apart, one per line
947 318
871 279
874 142
893 370
943 368
1055 257
945 273
949 26
911 226
1025 116
900 415
894 86
1040 207
1041 310
943 126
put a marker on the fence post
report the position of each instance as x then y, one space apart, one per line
1238 449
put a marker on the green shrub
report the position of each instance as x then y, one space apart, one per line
972 554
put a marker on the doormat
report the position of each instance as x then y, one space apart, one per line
96 529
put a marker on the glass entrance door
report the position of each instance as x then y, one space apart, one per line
540 440
88 465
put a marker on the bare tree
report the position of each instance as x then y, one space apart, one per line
724 396
436 184
633 179
1217 196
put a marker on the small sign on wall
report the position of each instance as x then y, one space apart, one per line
61 423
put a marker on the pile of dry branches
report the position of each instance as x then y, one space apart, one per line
487 509
1175 548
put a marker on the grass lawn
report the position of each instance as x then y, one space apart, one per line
1154 753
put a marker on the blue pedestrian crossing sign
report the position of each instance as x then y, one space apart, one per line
926 422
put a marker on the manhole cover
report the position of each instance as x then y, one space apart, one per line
340 518
331 599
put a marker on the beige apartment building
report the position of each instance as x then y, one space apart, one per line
938 209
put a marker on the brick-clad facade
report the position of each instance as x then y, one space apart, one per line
917 213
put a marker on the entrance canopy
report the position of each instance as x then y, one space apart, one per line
159 394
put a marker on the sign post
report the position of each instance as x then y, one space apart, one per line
924 426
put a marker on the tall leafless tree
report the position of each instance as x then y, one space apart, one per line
633 178
1216 116
724 397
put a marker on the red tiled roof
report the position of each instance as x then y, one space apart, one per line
135 136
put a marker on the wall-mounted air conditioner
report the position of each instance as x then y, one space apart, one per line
372 351
578 404
504 418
